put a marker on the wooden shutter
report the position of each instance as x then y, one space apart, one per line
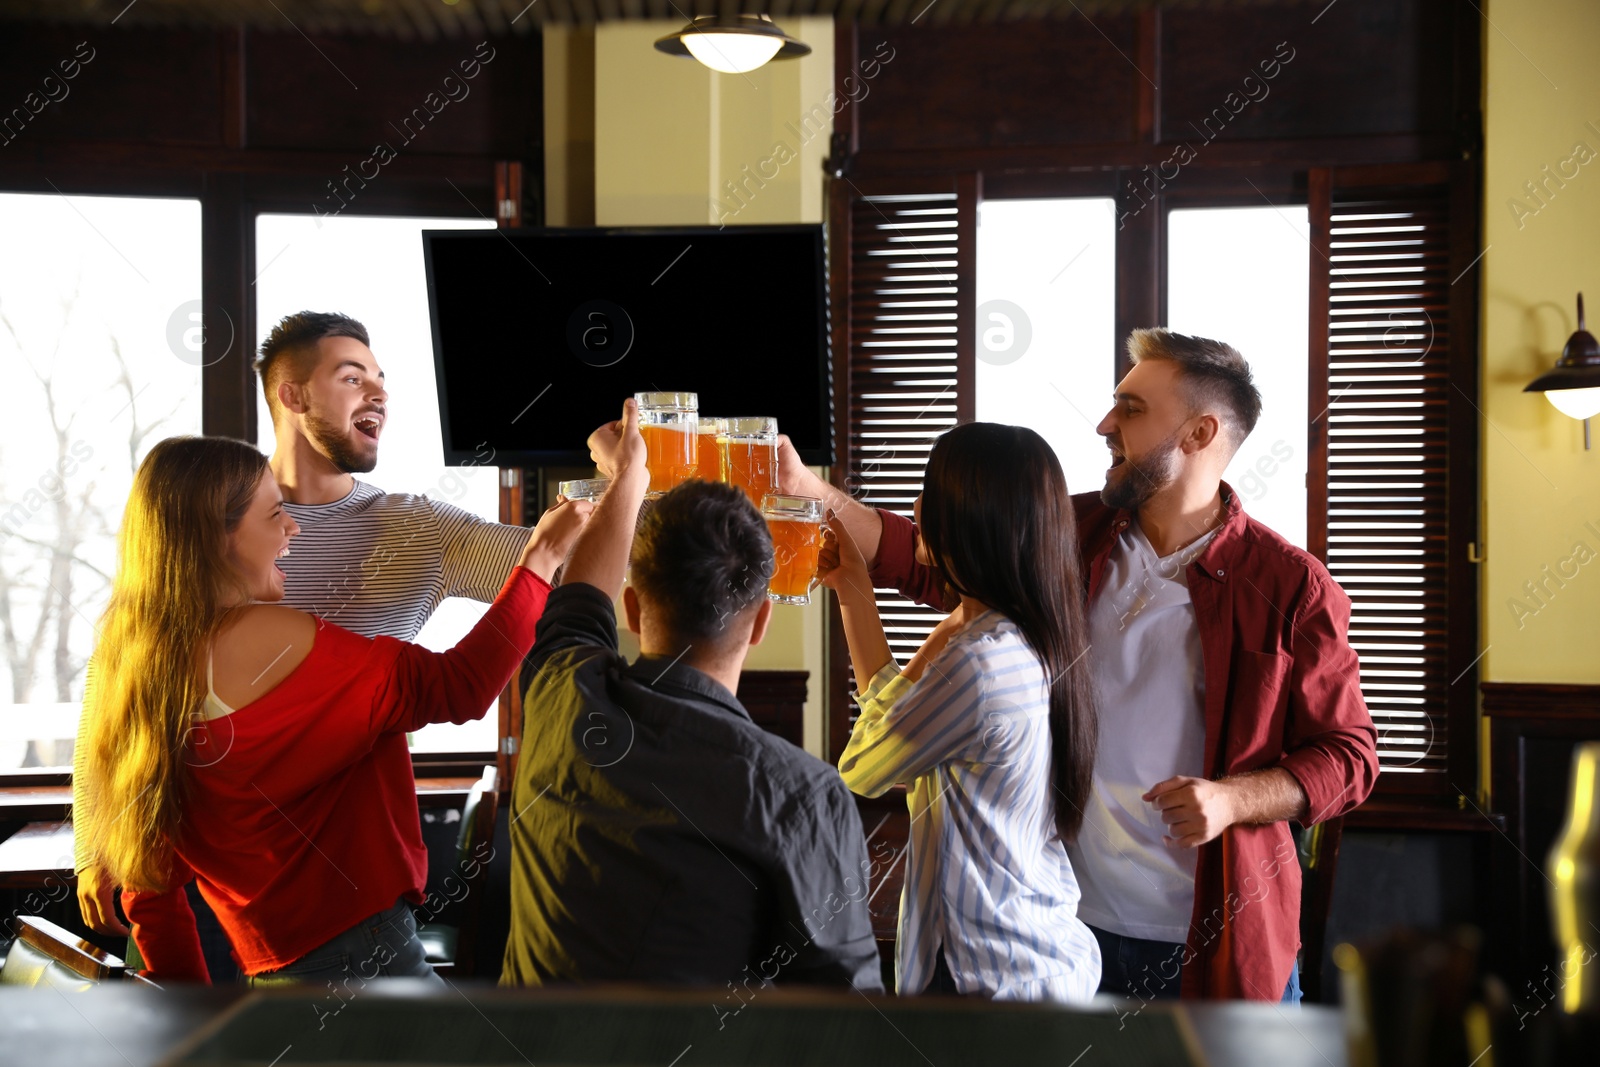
1393 457
903 310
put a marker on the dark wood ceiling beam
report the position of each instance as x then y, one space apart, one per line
1093 157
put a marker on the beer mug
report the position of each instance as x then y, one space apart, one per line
750 455
590 489
668 422
712 456
796 526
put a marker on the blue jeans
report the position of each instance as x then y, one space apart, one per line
382 946
1153 970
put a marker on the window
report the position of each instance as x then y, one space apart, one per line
909 255
1391 459
99 333
370 268
1360 338
1046 321
1240 275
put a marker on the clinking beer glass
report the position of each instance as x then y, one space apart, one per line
712 454
750 455
590 489
669 424
796 526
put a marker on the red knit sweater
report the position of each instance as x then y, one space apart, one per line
302 816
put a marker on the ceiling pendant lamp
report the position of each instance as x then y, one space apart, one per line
1574 385
732 44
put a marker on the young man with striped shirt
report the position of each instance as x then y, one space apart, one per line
373 562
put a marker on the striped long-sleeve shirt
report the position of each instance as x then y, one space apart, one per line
379 563
987 876
375 563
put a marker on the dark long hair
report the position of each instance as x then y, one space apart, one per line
998 526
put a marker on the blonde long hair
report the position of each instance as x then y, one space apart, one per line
172 589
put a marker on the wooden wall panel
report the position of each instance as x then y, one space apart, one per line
1363 83
1533 729
161 87
305 96
1003 84
1361 69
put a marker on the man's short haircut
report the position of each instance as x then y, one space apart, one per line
1214 375
701 557
290 350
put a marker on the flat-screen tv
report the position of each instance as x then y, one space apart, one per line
540 334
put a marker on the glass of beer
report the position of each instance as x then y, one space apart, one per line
796 525
750 451
669 424
590 489
713 459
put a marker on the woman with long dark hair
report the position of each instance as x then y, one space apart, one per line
259 750
991 724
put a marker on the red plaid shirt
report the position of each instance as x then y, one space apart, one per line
1283 689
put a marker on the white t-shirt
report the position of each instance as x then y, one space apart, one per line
1148 669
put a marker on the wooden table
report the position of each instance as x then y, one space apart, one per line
29 803
34 802
444 792
39 854
36 854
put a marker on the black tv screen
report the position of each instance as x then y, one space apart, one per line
540 334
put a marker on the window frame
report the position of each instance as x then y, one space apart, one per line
229 205
1141 299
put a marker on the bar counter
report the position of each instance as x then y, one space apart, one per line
400 1022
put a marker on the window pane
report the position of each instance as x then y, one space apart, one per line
99 337
1240 275
371 269
1046 324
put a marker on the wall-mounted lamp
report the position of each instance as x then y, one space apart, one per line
1574 385
733 44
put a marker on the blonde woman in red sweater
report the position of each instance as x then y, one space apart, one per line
260 750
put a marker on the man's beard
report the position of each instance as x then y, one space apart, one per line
327 440
1134 481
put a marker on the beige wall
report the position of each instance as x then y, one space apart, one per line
672 143
677 143
1541 490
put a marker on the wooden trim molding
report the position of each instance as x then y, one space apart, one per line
776 701
1533 728
1507 700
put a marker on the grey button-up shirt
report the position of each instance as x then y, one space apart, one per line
659 835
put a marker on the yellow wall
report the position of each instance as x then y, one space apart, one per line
667 137
1541 489
568 125
670 135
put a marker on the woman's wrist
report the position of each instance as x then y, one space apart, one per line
855 596
541 559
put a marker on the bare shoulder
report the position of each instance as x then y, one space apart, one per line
257 649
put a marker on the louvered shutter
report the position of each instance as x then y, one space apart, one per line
905 336
1392 457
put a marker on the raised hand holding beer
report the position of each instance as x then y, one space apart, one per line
796 526
841 567
618 445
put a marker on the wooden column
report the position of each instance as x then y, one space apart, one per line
513 501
